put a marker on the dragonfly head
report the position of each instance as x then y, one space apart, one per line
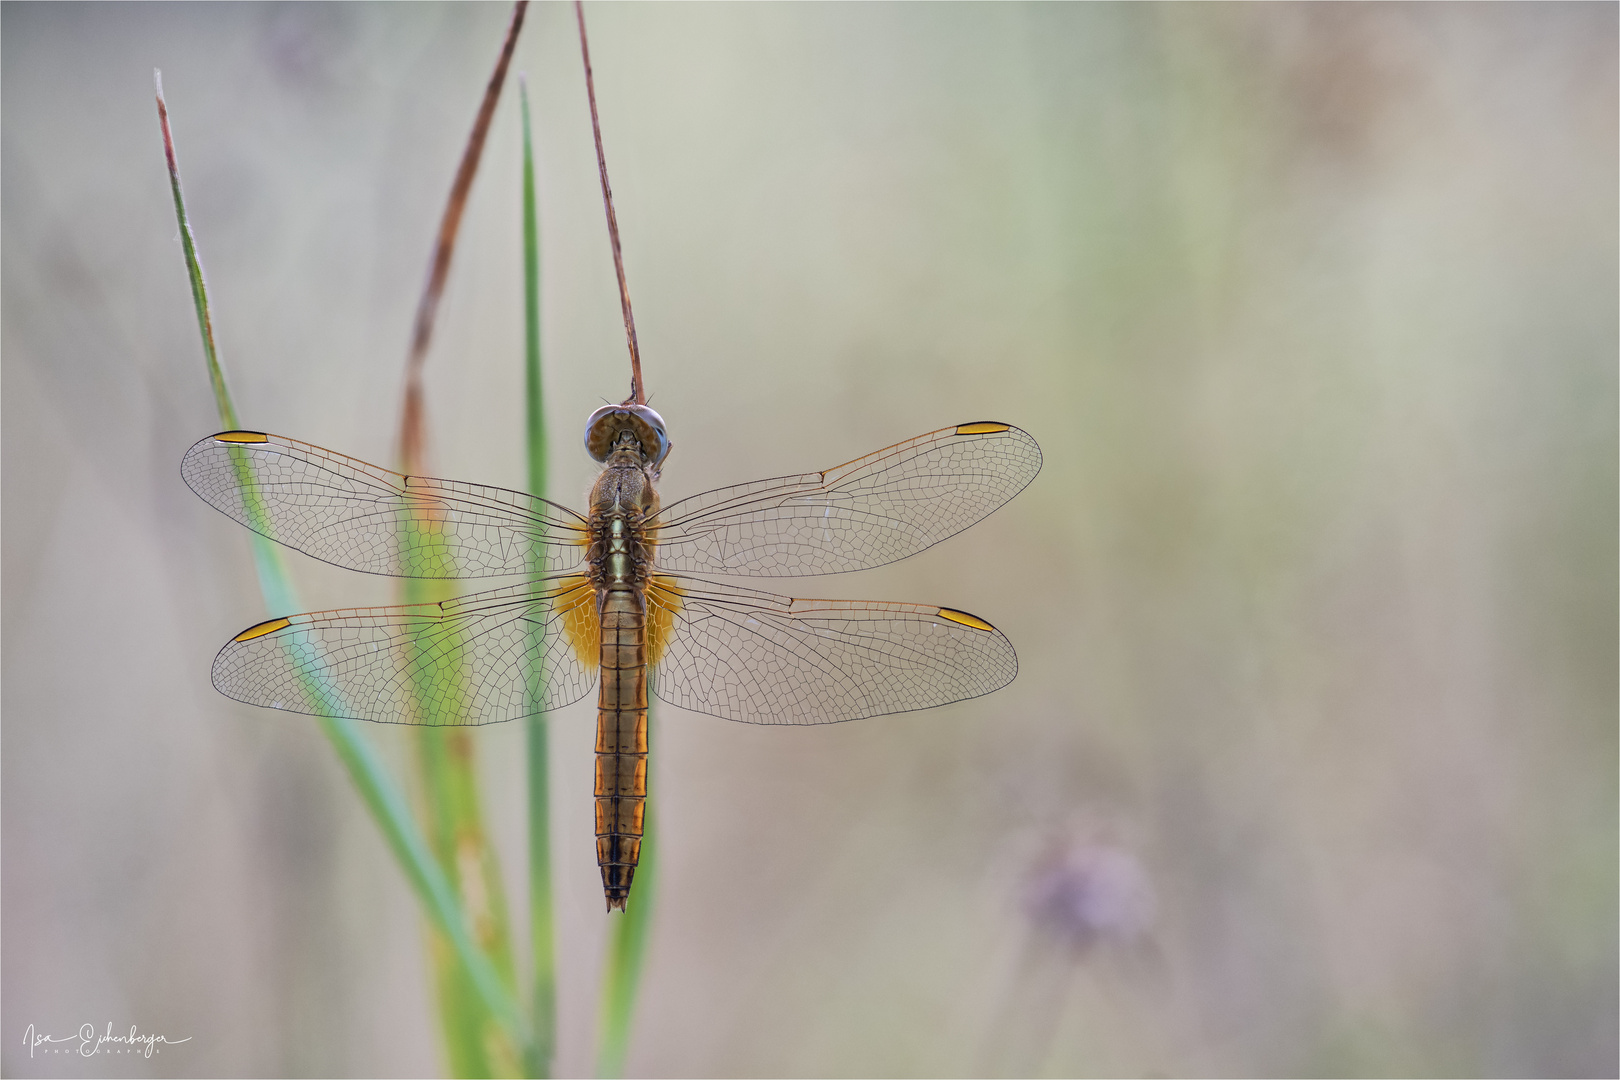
612 424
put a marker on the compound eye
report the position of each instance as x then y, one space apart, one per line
604 425
661 443
602 430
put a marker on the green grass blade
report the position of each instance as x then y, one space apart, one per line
533 397
543 1003
199 288
447 761
543 999
627 948
475 1043
444 910
377 789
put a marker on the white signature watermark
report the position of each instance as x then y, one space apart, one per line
86 1043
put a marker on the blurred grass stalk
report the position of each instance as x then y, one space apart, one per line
447 769
543 1000
382 796
476 1042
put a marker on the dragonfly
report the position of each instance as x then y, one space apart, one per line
627 598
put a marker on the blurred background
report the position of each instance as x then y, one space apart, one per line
1310 767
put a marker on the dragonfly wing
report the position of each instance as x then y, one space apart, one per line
762 659
871 511
481 659
361 517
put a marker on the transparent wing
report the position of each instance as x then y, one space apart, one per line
481 659
874 510
361 517
763 659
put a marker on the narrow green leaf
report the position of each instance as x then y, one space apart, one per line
443 907
199 288
447 765
475 1043
377 789
543 1002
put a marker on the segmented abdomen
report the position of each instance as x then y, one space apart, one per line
621 741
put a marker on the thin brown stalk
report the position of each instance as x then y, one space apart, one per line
412 424
637 395
446 760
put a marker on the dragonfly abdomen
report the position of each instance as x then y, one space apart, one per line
621 741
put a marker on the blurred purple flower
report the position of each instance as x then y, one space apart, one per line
1088 894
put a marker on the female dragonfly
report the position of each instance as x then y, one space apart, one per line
622 591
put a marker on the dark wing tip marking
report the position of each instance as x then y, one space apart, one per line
268 627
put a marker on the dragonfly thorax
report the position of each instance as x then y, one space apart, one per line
625 486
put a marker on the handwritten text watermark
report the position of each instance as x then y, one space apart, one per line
86 1043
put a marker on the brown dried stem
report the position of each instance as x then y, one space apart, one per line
637 395
427 309
451 806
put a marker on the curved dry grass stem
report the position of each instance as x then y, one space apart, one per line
450 791
427 309
637 394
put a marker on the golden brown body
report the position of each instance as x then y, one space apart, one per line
621 559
